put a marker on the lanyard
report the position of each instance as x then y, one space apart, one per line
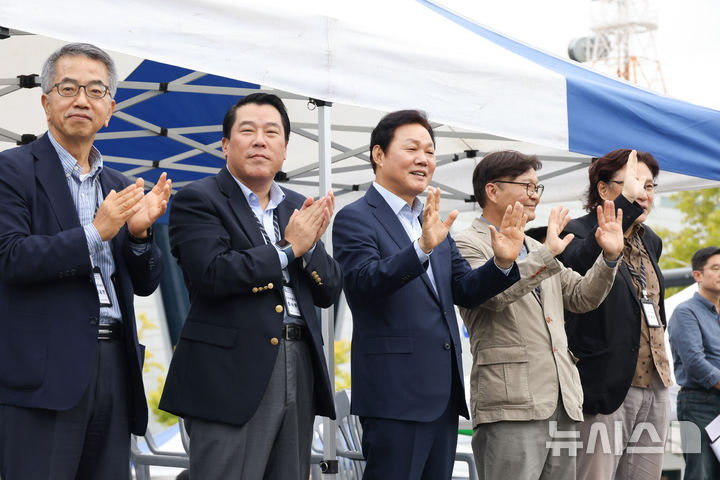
266 237
641 278
276 227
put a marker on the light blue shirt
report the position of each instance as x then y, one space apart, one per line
87 197
409 219
277 196
694 331
266 216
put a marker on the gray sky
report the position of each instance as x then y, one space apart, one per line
687 40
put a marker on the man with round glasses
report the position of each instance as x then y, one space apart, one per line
75 246
624 368
524 387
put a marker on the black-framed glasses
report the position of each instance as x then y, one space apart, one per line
70 88
531 188
649 187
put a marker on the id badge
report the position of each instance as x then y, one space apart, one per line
650 316
291 306
103 295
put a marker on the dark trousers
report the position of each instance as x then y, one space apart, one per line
406 450
700 408
90 441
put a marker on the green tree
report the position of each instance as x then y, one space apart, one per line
701 217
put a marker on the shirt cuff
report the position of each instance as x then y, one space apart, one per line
308 255
422 256
282 257
506 271
612 264
139 248
94 242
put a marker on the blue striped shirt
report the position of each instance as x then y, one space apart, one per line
87 197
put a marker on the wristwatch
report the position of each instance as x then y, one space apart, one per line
286 247
141 241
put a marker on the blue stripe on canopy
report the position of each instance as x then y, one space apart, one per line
605 113
169 110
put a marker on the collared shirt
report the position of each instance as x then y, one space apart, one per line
694 330
651 352
277 196
87 197
409 219
265 217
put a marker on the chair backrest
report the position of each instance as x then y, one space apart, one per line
184 435
154 456
349 438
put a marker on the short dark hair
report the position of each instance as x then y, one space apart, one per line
258 99
495 165
384 131
603 168
701 257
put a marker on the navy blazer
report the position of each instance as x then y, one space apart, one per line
606 340
49 305
228 344
404 334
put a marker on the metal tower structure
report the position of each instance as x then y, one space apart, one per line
623 41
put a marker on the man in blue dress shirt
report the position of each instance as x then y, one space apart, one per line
695 344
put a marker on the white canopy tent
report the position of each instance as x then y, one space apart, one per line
484 92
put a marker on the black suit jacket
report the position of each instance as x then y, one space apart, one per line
49 306
228 344
606 339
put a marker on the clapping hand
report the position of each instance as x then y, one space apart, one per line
152 206
308 224
558 220
434 230
609 233
632 187
508 242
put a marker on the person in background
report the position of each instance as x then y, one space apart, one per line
694 332
624 368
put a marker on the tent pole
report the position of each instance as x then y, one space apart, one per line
330 465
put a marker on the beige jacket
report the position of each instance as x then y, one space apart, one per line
518 342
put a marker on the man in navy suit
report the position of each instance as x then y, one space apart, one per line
402 275
249 374
75 245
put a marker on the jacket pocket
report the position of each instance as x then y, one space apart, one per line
501 376
23 354
393 344
208 333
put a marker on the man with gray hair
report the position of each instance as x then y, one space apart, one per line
75 245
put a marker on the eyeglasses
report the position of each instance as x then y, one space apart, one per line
649 187
69 88
531 188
